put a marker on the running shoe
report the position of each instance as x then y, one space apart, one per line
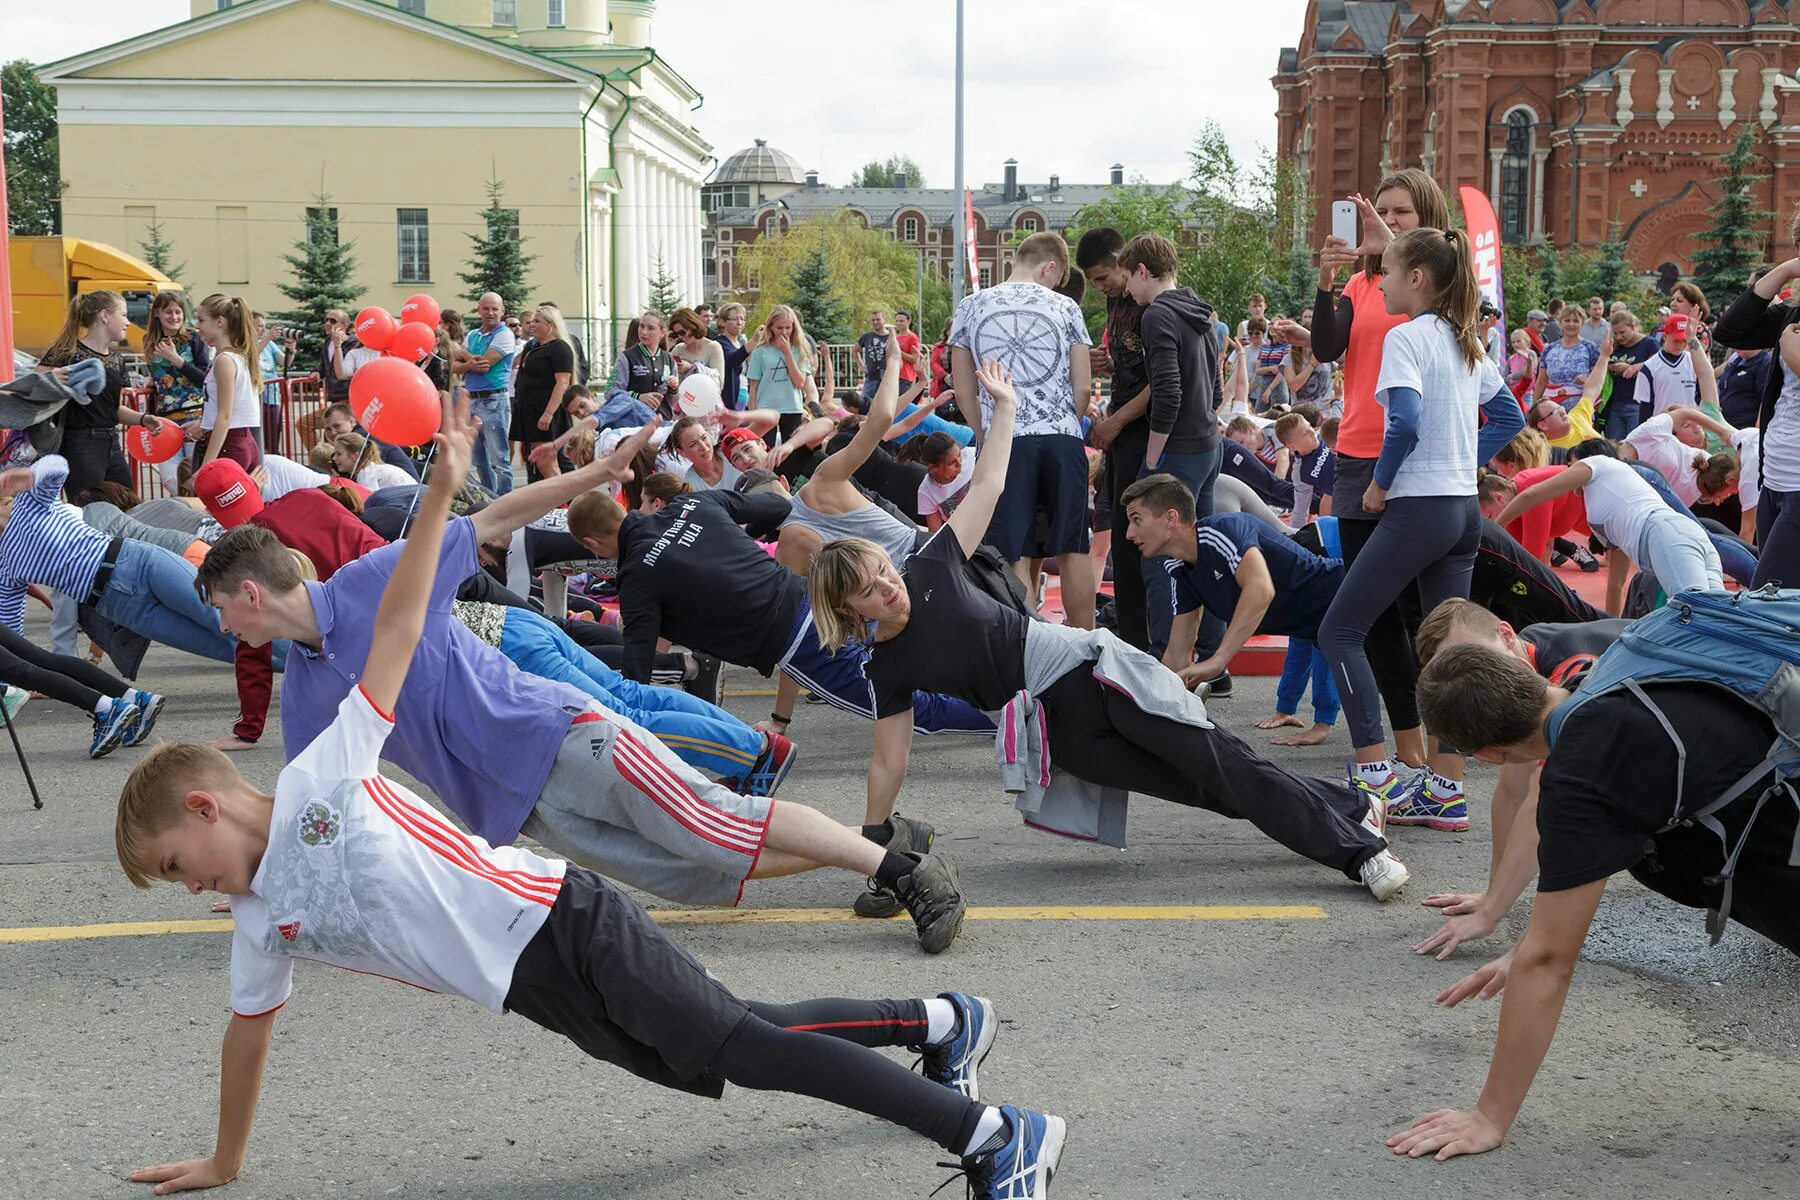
150 706
1558 558
909 837
1384 875
1403 785
707 681
1022 1168
932 895
771 766
12 700
111 730
954 1063
1217 688
1427 808
1584 558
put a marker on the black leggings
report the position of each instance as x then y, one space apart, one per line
1428 539
1778 538
1389 645
73 681
1099 734
816 1049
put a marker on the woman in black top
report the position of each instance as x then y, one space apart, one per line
96 324
545 371
933 629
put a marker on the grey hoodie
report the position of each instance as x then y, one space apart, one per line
1183 366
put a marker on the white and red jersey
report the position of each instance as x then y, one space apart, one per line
362 874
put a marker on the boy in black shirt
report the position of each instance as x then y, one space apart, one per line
1609 786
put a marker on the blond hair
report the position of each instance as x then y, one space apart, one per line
240 330
83 313
1528 449
1447 618
155 796
839 569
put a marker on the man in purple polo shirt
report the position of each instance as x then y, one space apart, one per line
510 752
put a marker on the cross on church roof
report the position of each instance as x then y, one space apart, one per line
1693 103
1638 188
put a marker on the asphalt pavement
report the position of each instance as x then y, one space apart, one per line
1192 1057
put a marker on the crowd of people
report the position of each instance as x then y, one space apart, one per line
1389 479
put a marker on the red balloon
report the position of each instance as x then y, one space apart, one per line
147 447
395 401
412 341
421 308
375 328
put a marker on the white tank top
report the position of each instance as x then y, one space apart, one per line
244 411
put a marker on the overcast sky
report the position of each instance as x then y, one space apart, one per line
1067 87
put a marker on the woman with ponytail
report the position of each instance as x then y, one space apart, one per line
96 324
1435 380
232 418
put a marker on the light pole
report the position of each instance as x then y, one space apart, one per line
959 222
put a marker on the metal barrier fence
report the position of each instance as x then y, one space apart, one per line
291 424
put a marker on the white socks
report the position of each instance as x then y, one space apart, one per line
1376 773
990 1124
1446 789
942 1015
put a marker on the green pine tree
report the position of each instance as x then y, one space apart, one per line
159 251
1733 244
324 276
822 314
1613 277
499 262
665 296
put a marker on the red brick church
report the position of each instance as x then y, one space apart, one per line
1571 114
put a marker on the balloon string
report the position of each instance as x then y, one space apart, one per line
406 526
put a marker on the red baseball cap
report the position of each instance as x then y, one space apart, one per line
228 492
1676 325
736 437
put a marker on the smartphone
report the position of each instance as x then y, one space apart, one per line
1344 222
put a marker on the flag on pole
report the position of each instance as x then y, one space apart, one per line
1484 241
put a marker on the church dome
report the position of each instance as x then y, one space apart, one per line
761 163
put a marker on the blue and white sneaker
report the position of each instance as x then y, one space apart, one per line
1021 1169
770 767
150 706
111 730
1447 813
954 1063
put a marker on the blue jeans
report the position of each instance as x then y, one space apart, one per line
493 457
869 387
700 734
1621 419
151 592
1305 659
1199 472
840 680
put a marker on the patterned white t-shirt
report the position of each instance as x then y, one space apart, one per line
1029 329
362 874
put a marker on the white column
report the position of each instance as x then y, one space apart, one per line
1494 157
696 230
690 240
1624 114
1538 165
1665 100
659 216
637 217
1727 99
624 254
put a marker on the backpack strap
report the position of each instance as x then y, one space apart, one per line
1632 686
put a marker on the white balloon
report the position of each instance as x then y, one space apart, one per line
699 395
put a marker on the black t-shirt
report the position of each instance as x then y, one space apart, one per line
881 473
1123 342
959 640
102 412
438 371
873 348
1562 653
1609 785
536 378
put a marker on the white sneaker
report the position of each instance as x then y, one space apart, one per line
1384 875
1375 819
12 699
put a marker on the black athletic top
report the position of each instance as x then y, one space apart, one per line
1562 653
882 474
1609 786
959 640
690 574
1513 584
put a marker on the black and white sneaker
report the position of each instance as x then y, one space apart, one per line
909 837
1584 558
707 682
1218 688
933 895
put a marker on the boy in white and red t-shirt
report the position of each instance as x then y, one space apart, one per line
345 867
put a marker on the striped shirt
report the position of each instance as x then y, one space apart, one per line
46 542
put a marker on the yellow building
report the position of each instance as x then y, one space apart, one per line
225 127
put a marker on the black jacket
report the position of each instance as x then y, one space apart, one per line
690 574
1752 323
1183 365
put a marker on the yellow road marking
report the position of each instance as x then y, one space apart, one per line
750 692
753 916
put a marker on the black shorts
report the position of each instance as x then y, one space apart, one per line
1352 478
1101 516
1047 471
604 975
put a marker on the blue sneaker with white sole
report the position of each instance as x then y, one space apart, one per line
954 1063
1020 1169
150 706
111 730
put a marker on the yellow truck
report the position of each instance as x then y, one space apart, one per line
48 272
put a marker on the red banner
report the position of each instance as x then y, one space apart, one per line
973 261
1484 240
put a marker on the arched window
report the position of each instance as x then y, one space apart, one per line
1515 176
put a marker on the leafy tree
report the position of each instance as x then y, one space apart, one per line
1732 245
1613 277
865 268
159 251
34 183
665 295
324 276
877 173
498 262
821 314
1523 284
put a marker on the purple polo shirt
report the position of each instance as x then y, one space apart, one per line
469 724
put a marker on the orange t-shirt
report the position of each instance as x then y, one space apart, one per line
1364 421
